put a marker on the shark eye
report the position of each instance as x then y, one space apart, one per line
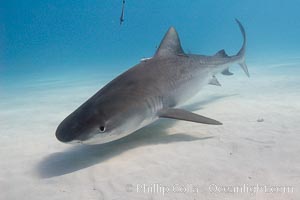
102 129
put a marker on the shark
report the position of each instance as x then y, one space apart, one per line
155 88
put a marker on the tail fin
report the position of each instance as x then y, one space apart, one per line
241 53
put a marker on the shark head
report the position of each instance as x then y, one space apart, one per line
97 122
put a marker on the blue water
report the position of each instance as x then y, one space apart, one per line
50 47
56 38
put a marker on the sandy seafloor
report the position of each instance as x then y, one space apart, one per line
169 153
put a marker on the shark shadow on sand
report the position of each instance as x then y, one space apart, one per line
82 156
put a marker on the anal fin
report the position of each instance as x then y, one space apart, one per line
181 114
226 72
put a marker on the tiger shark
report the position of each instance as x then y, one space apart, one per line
155 88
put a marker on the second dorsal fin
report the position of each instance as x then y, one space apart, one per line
170 44
221 53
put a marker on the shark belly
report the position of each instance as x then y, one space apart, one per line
188 86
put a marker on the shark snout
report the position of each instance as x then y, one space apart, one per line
67 132
63 135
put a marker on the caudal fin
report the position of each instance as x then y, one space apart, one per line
241 54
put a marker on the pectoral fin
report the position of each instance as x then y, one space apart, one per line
180 114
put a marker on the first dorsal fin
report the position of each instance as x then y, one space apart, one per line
170 45
221 53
